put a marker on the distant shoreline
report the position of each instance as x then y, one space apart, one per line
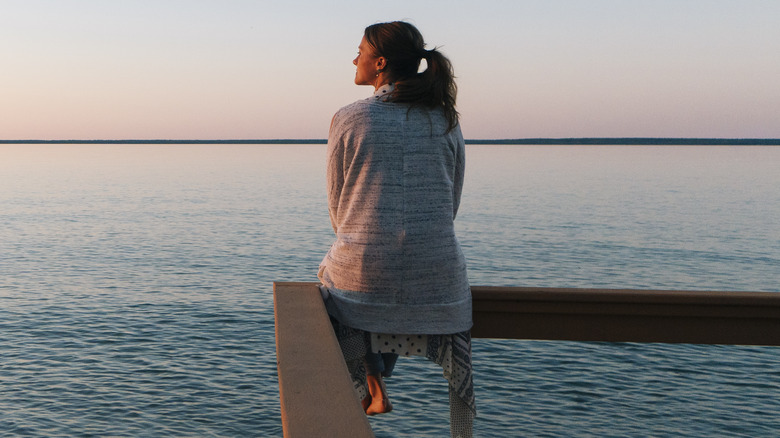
516 141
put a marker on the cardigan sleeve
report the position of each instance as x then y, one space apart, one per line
334 176
460 168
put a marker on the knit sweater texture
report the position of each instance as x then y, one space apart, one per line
394 181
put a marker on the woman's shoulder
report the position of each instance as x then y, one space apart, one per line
358 113
354 108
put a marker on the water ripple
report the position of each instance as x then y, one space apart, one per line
135 288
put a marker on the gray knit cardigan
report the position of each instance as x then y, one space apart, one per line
394 180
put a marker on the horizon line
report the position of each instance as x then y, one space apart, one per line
507 141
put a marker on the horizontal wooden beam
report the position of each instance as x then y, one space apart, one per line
627 315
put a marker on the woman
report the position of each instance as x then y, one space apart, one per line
394 180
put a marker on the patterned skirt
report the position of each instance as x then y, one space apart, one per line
452 352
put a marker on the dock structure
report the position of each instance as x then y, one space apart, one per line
627 315
316 394
315 389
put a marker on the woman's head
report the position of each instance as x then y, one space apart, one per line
369 65
400 44
392 52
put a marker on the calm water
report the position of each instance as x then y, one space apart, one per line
135 287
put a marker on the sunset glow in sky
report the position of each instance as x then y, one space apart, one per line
240 69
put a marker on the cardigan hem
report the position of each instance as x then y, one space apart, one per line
423 319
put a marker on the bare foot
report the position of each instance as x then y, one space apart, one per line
379 406
377 402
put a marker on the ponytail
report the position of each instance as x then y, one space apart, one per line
403 47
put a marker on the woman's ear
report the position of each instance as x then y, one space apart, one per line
381 63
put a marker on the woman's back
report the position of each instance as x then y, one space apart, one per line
395 178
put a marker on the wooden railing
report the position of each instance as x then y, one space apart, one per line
315 388
696 317
316 393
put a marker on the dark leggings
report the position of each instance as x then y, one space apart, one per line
380 363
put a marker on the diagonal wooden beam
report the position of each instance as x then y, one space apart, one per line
315 388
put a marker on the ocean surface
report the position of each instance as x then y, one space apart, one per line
136 287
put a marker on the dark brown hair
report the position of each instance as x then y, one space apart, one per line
402 45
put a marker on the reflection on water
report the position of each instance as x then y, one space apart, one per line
135 287
640 217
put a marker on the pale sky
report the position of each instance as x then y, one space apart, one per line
240 69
